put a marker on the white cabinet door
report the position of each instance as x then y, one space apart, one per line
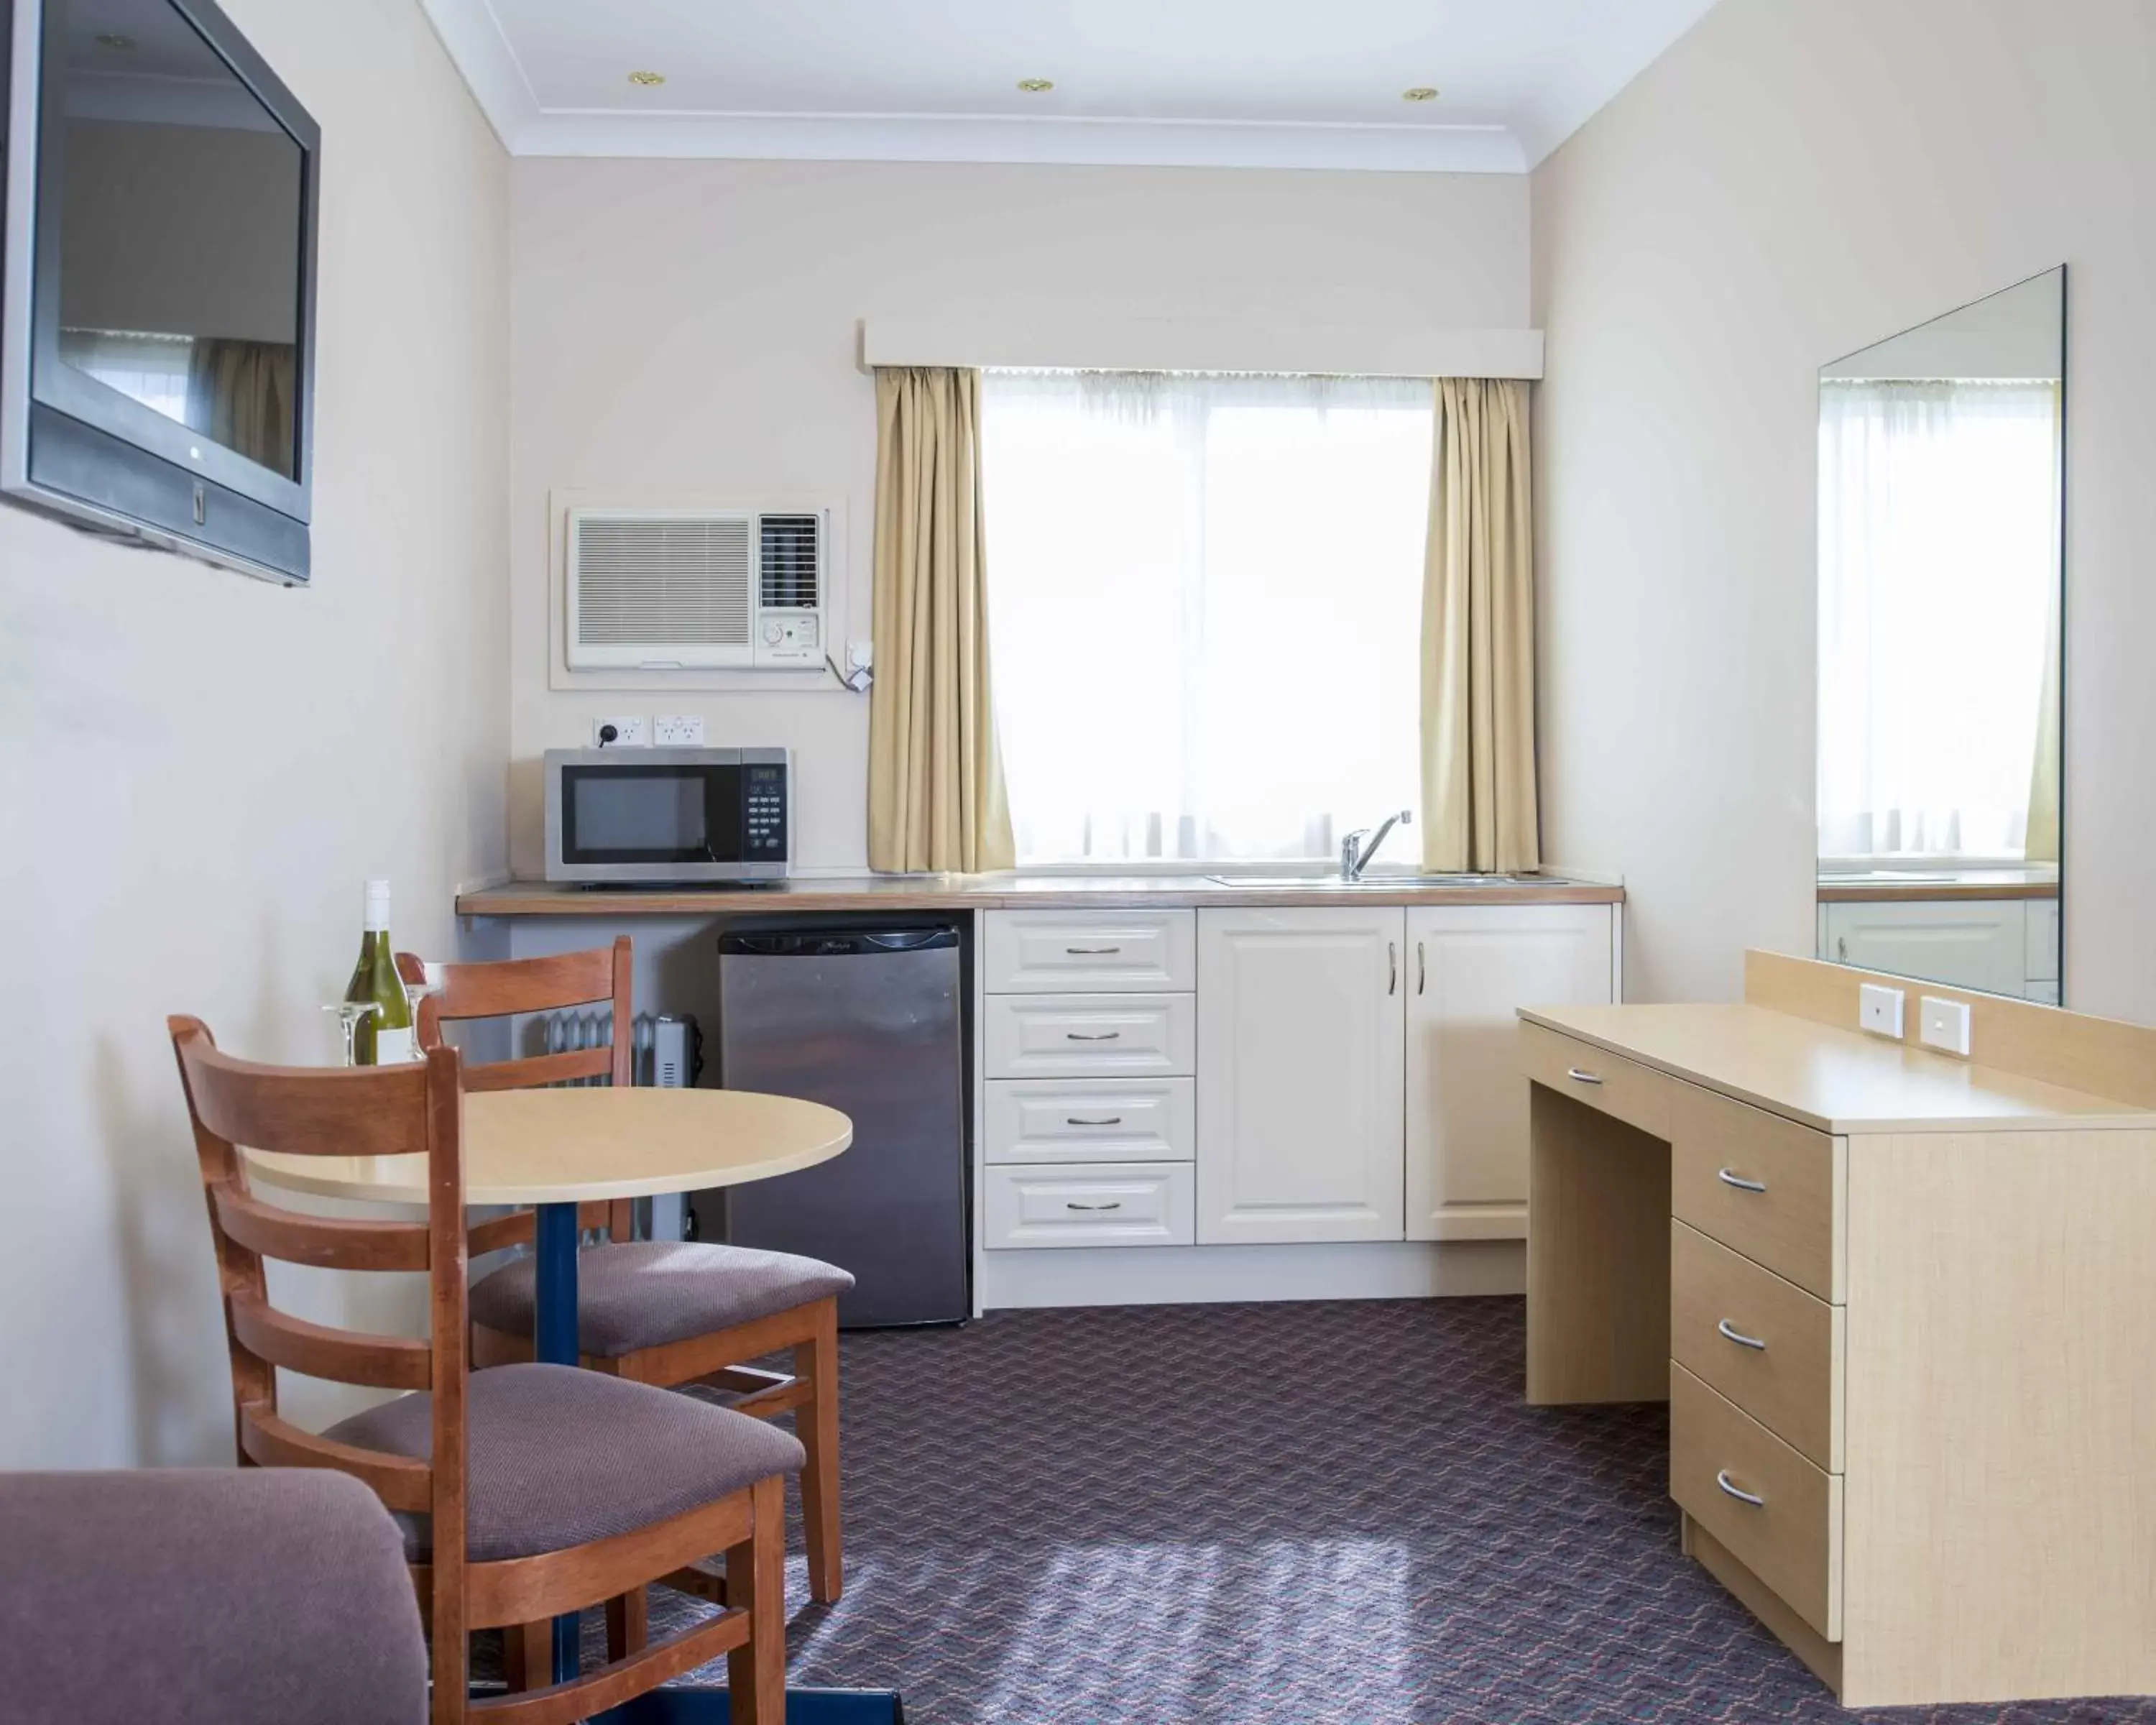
1469 968
1965 943
1299 1046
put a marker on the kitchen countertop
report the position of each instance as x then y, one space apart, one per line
1886 885
1002 892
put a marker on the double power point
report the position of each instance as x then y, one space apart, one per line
1941 1023
669 730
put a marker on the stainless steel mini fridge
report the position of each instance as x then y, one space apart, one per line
866 1020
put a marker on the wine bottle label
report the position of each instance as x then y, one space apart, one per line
393 1047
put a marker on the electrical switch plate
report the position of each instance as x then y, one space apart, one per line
1879 1010
678 731
620 733
1944 1024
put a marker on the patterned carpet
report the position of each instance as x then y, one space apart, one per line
1337 1513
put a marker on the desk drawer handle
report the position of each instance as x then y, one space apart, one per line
1739 1337
1106 1120
1092 952
1579 1077
1730 1177
1116 1205
1082 1036
1738 1492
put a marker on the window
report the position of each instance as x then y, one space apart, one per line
153 369
1205 597
1938 584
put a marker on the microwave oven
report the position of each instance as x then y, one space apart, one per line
668 816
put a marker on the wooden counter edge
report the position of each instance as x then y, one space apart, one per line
515 900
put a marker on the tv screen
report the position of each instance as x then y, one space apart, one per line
156 373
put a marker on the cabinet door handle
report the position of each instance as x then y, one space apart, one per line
1082 1036
1738 1492
1730 1177
1579 1077
1091 952
1422 966
1106 1120
1393 960
1739 1337
1116 1205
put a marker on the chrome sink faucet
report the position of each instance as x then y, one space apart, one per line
1355 856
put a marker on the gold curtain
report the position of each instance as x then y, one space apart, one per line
936 783
240 393
1478 635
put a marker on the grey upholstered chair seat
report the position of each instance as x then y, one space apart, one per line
641 1294
561 1457
208 1596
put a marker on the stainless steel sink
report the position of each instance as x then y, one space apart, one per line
1379 883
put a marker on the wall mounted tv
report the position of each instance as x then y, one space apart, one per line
157 311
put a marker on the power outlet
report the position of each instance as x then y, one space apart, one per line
1944 1024
1879 1009
678 731
621 733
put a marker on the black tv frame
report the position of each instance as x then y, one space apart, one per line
73 447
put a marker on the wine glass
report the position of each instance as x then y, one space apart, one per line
351 1013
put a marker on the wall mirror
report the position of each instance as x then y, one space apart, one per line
1941 576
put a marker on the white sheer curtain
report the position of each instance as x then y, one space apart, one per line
1205 599
1938 563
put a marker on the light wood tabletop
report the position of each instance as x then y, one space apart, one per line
523 1147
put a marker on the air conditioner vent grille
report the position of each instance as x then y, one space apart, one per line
789 561
646 580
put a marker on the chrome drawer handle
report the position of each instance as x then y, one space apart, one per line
1393 958
1092 952
1738 1492
1730 1177
1082 1036
1116 1205
1738 1336
1579 1077
1074 1119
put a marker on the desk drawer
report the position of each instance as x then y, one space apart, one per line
1791 1537
1762 1185
1092 1036
1092 1119
1128 1204
1721 1303
1638 1095
1099 951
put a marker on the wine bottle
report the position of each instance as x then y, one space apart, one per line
384 1036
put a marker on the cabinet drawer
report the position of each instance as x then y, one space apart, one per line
1791 1537
1636 1095
1761 1184
1101 951
1097 1035
1114 1204
1092 1119
1721 1304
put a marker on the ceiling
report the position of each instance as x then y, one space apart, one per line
1226 83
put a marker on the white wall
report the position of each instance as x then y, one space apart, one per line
199 770
1790 182
693 324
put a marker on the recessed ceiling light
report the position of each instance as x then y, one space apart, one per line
114 40
1036 86
650 80
1420 93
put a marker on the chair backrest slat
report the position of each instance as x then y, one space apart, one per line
323 1242
533 1071
400 1482
317 1350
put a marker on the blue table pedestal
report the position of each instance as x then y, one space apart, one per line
554 1341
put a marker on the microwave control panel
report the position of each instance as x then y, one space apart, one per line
765 826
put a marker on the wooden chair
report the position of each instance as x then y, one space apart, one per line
661 1312
526 1492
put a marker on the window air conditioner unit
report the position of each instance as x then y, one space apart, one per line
696 590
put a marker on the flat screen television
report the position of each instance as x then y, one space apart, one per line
156 309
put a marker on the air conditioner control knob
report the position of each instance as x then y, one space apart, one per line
774 633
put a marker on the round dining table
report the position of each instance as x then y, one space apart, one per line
553 1150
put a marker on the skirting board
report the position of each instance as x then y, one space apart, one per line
1182 1276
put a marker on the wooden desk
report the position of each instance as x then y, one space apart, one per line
1904 1306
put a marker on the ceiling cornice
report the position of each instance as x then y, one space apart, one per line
476 42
